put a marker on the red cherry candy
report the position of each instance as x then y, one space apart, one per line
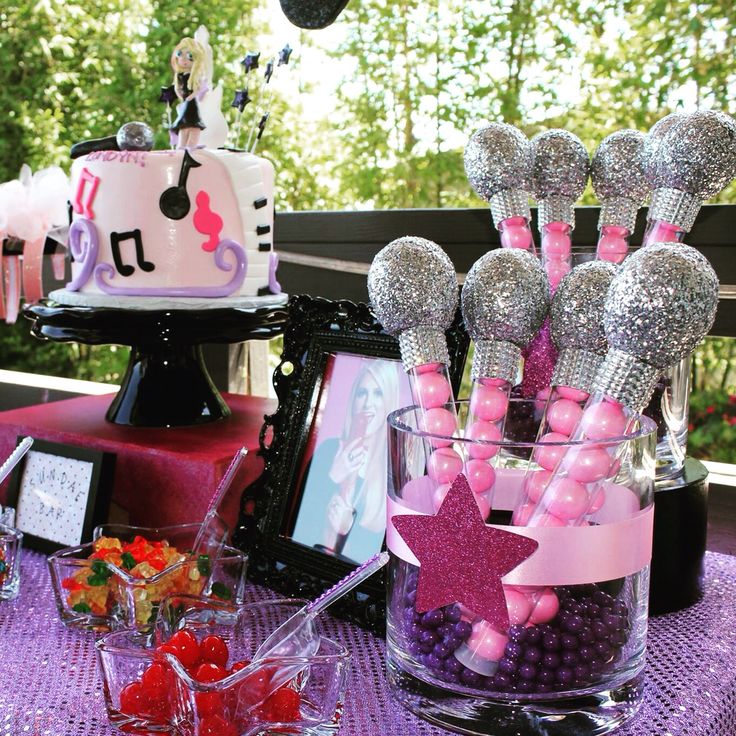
283 705
214 649
208 704
132 699
154 681
216 726
187 647
237 666
210 672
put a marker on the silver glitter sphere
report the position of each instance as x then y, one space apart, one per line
616 169
576 312
413 290
135 136
661 303
505 299
651 155
560 165
498 158
699 154
505 296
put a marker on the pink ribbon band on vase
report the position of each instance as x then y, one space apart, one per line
618 545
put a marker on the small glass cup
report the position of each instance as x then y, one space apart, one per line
11 544
96 595
186 705
571 659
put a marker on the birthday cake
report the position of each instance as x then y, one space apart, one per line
190 227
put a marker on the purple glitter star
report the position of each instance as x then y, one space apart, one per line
461 559
285 55
241 99
250 61
168 95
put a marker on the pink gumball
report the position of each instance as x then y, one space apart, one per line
518 606
587 464
556 271
556 245
439 421
439 495
612 248
523 514
483 505
488 402
432 390
481 476
566 499
536 483
599 498
546 607
516 237
604 420
486 432
574 394
563 416
548 457
443 465
486 642
540 401
550 520
427 368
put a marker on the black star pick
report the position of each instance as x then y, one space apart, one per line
168 95
241 99
250 61
262 125
269 71
284 55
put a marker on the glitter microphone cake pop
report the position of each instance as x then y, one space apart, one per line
618 179
504 301
560 167
576 318
660 305
688 159
413 290
498 165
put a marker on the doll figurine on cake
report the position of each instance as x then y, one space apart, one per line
190 85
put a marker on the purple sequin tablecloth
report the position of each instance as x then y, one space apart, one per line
50 686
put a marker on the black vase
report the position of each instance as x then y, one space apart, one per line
312 14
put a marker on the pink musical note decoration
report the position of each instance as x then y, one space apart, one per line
207 222
83 200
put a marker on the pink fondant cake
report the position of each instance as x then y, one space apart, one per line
188 225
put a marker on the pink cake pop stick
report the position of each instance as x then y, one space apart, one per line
560 166
687 160
660 305
498 166
619 183
504 301
576 318
413 291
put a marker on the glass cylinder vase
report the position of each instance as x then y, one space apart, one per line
568 657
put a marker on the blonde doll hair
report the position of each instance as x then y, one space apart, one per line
198 73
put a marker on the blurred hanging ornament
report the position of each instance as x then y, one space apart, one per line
285 55
241 99
250 61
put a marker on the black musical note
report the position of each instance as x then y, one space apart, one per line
174 202
124 269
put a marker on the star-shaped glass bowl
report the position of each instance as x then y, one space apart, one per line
176 700
93 594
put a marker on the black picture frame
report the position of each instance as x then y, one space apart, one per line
98 492
315 329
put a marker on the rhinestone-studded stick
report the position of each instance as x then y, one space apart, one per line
498 166
413 290
660 305
687 160
504 301
617 173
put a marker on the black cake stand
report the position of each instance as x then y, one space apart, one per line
166 383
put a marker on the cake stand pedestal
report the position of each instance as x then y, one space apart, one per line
166 383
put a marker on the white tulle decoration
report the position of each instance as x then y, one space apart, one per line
34 204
